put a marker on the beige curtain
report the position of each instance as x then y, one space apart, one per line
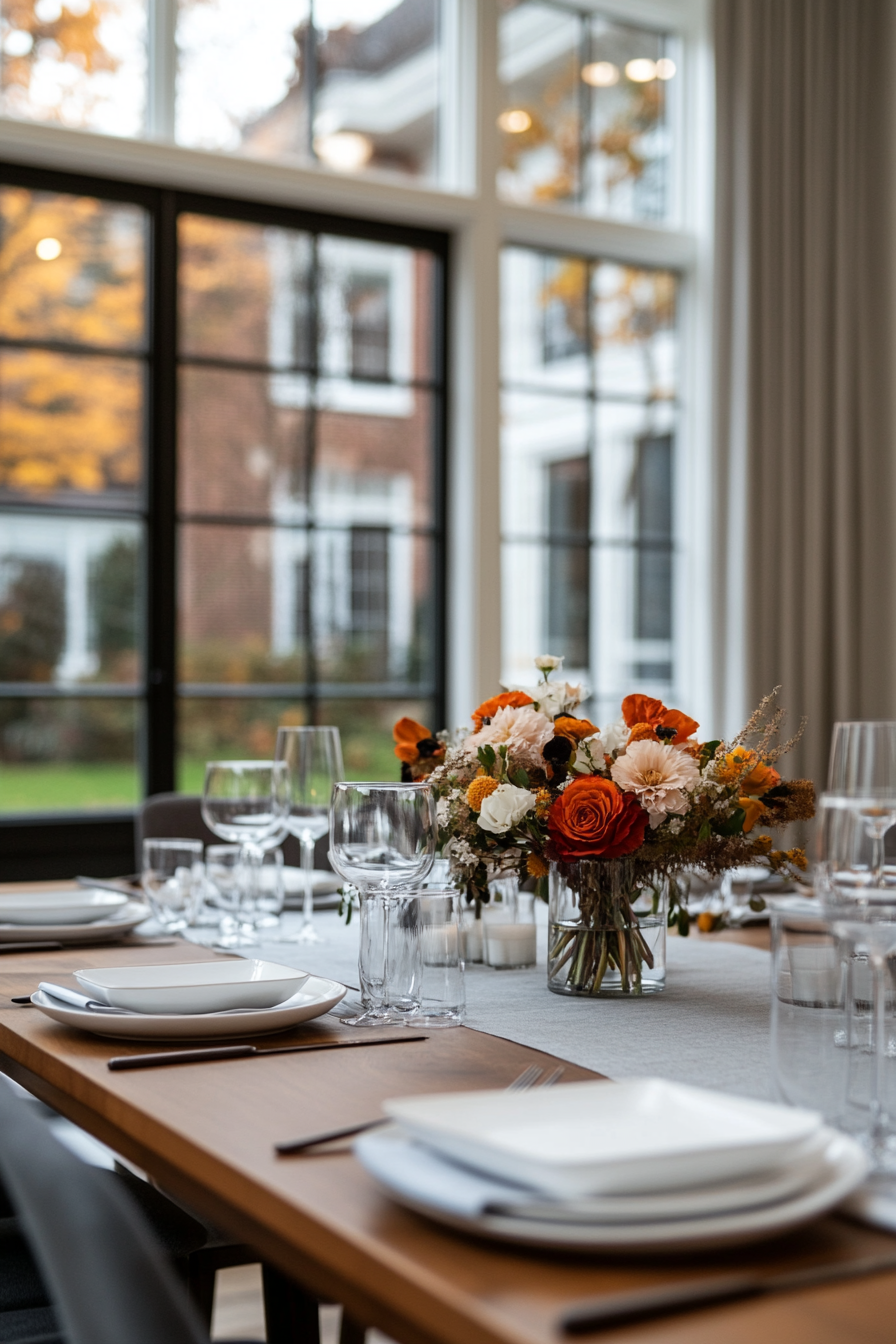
804 441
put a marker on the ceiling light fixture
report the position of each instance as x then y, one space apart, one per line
48 249
601 74
665 69
641 70
344 151
514 121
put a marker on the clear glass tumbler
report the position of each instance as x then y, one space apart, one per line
172 878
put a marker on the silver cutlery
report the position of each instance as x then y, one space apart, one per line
200 1056
524 1083
10 948
121 886
621 1308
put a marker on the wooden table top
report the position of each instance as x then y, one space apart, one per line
206 1133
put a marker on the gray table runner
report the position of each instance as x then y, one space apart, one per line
710 1027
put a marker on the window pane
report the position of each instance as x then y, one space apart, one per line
81 63
244 445
244 291
539 125
365 726
69 600
374 454
245 76
588 487
376 310
635 331
243 604
68 755
545 320
70 427
73 268
585 112
628 76
372 597
377 97
227 729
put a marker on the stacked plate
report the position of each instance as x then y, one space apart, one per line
195 1001
635 1166
88 916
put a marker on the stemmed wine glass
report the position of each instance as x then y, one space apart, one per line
314 758
863 767
246 803
383 841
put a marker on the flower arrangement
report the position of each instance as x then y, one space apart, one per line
532 784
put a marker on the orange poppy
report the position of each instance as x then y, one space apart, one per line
644 709
407 733
489 708
753 809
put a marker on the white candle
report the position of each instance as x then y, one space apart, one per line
816 975
440 945
473 941
509 944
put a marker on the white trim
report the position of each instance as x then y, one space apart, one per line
161 69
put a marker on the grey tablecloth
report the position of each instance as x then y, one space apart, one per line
710 1026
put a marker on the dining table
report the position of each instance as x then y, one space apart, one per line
206 1133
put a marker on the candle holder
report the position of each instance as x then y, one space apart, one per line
508 926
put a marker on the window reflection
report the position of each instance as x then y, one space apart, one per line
588 453
585 115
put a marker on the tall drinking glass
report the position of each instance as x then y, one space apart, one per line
859 898
246 803
383 841
314 758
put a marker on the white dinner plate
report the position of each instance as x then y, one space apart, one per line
323 882
107 930
59 907
193 987
316 997
843 1168
605 1138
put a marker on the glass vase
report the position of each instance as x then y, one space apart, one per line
607 932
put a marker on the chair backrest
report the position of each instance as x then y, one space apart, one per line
106 1274
180 814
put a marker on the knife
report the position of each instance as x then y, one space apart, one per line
29 947
241 1052
642 1303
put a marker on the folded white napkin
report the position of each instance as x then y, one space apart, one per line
421 1174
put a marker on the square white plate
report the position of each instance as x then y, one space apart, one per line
608 1138
193 987
59 907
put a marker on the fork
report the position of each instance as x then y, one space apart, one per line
524 1083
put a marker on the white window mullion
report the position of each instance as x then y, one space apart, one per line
161 69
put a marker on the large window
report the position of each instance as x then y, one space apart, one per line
303 546
588 452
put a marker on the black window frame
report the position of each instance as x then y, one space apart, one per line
59 844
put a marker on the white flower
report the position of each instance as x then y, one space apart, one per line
443 812
524 731
504 808
546 662
557 697
660 776
615 736
676 824
589 757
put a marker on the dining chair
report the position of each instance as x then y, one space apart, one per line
105 1273
180 814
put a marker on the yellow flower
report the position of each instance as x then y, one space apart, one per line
798 858
542 802
479 790
536 866
753 810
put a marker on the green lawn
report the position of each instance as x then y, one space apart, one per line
74 787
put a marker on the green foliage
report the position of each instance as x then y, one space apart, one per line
732 825
487 757
519 777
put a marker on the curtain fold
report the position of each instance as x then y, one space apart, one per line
806 482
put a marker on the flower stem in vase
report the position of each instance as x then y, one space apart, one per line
607 931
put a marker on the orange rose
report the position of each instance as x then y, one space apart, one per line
753 809
407 733
594 819
575 729
489 708
643 709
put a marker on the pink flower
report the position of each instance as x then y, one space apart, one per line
524 731
661 777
